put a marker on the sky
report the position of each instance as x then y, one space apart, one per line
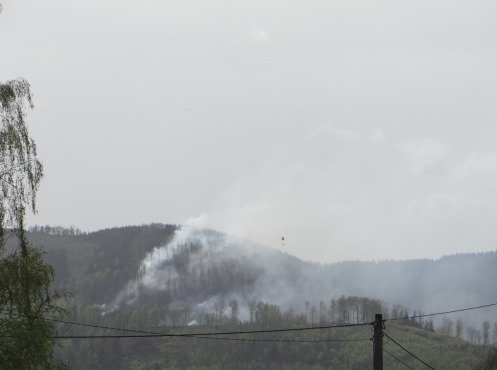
356 129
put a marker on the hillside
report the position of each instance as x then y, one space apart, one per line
101 267
161 276
439 351
95 266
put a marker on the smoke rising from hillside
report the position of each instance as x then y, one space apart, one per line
195 253
201 268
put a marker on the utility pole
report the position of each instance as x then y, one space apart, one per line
378 342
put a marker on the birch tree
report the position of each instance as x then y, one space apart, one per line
25 279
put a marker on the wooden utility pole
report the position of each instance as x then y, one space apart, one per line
378 342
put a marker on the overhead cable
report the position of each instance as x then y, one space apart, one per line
442 313
204 333
126 336
405 349
398 359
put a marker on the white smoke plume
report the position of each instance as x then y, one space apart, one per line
264 273
245 271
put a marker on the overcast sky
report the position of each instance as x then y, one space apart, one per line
357 129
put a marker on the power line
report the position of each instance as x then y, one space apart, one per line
398 359
103 327
258 331
90 325
226 332
442 313
155 334
405 349
150 334
262 331
205 337
204 333
287 340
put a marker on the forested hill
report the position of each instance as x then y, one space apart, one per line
110 267
94 266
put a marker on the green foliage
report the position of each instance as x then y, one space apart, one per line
490 363
25 279
27 335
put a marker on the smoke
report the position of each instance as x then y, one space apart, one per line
201 270
158 266
362 195
201 267
359 195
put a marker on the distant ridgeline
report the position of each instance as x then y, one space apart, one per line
202 276
56 230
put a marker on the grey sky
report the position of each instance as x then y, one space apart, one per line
358 129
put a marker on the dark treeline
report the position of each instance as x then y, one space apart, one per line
95 266
56 230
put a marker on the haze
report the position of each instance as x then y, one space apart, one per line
356 129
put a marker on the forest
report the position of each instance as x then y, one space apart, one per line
208 283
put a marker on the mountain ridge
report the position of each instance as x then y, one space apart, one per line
98 265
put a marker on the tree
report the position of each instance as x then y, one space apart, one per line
486 332
25 280
459 328
322 312
233 304
490 363
447 325
495 332
312 314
